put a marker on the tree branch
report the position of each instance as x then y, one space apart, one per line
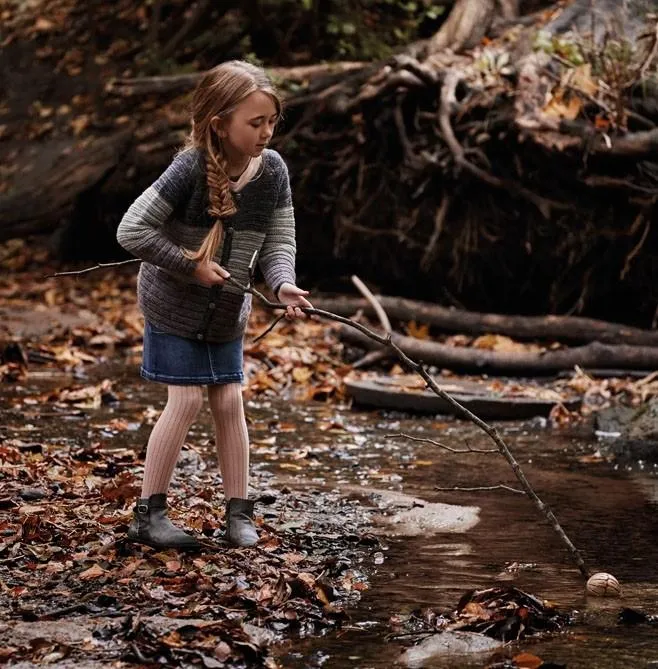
99 266
492 432
426 440
176 84
376 305
484 489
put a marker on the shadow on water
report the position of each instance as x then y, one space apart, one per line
608 510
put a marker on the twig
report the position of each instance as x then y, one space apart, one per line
502 486
636 249
653 51
439 220
138 653
440 445
376 304
371 357
269 329
90 269
492 432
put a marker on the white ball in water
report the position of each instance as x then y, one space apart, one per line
603 585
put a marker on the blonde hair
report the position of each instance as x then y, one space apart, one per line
218 93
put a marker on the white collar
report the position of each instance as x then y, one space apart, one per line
250 171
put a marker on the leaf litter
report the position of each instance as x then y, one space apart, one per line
63 514
71 323
504 613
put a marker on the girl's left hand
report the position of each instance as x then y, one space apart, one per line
294 297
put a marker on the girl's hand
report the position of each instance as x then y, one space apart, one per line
294 297
210 274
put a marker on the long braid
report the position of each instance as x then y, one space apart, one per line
221 204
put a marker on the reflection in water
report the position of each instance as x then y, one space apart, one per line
608 511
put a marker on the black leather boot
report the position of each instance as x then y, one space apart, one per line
240 529
151 526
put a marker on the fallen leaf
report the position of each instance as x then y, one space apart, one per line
302 374
222 651
527 661
421 331
563 105
30 508
93 572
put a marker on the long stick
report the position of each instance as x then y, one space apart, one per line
387 340
492 432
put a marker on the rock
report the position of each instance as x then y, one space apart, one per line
644 422
630 433
447 644
408 516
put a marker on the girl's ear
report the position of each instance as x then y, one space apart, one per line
218 127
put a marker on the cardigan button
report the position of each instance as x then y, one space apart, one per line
199 335
212 305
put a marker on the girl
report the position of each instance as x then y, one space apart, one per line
223 203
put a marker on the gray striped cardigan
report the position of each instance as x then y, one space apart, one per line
172 214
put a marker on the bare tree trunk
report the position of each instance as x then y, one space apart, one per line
469 22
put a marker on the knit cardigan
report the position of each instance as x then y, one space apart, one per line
172 214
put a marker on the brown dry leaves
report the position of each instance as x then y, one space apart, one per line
70 322
505 613
63 516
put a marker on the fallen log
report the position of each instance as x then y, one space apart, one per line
557 328
522 363
66 169
386 392
177 84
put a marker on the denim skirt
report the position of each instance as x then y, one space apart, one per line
181 361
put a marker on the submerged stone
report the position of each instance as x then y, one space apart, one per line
405 515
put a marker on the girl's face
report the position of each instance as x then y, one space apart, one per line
250 126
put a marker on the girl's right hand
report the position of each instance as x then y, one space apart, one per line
210 274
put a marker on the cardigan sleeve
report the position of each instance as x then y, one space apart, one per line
277 257
140 231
